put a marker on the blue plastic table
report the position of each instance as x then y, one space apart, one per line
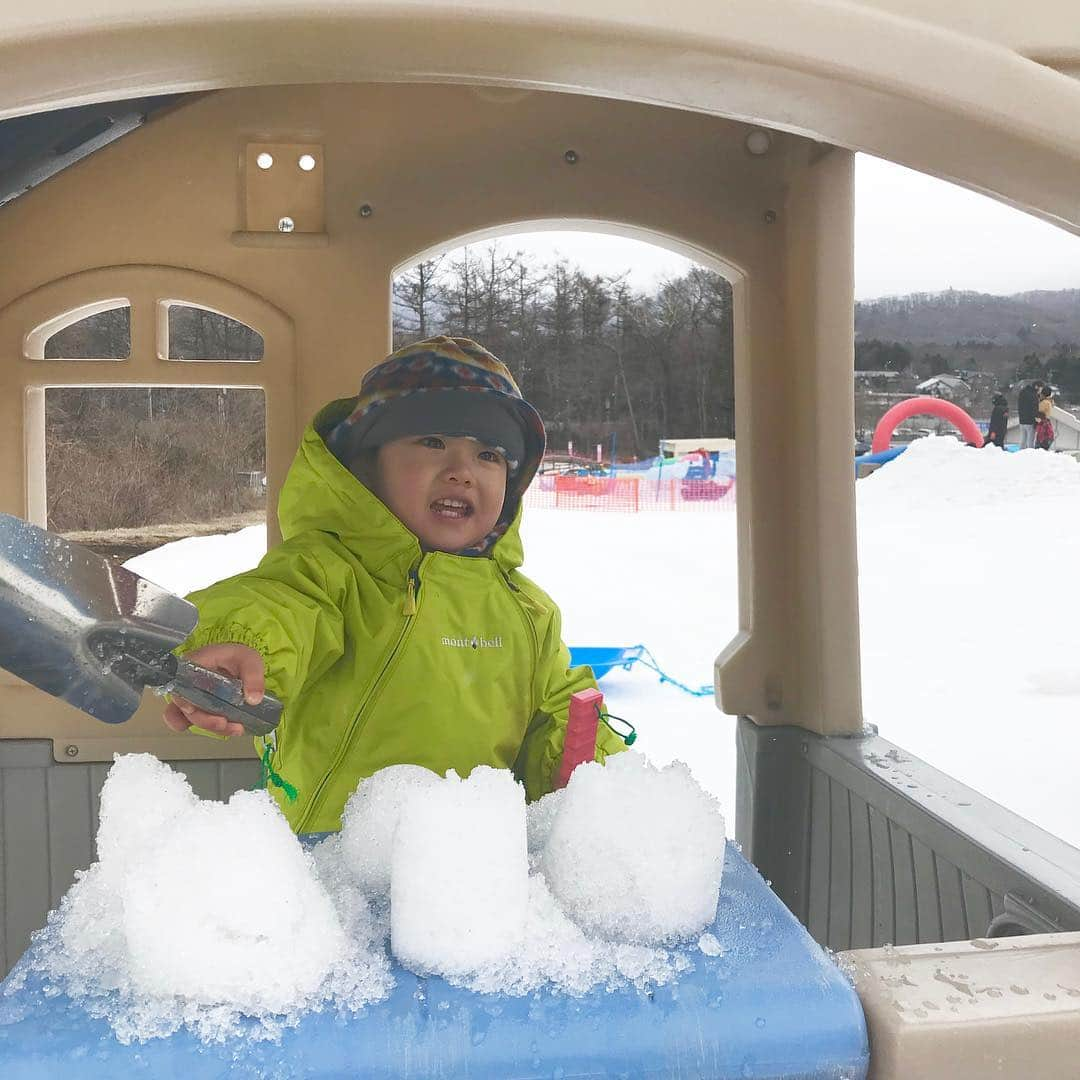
771 1005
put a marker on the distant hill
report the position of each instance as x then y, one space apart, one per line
1032 321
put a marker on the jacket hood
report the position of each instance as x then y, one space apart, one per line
321 494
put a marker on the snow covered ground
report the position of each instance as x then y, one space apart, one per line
970 617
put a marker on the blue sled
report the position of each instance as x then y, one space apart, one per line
605 658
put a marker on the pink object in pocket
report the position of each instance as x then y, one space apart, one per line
580 744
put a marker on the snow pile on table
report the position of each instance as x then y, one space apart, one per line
459 878
214 917
198 913
623 862
370 820
662 844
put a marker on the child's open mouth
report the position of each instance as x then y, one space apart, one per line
451 508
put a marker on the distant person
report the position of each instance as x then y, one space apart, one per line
999 421
1027 412
1044 429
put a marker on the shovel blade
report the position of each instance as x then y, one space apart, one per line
62 607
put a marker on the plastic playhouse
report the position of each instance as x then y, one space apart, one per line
277 165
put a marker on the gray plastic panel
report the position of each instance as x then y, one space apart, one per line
870 846
48 820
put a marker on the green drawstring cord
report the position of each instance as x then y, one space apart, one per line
629 738
270 777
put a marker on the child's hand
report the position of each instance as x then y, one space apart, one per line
229 658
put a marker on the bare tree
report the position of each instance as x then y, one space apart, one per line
416 294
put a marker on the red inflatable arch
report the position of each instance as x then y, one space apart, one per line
924 406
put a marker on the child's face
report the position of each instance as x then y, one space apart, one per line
447 490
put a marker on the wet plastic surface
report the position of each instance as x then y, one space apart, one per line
770 1004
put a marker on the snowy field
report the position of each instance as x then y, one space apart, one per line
970 617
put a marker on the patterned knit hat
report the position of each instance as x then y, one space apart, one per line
446 386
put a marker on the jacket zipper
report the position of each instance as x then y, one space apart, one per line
529 628
408 609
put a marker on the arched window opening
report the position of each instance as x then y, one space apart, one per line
199 333
619 343
98 331
627 350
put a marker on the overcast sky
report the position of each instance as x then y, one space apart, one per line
912 234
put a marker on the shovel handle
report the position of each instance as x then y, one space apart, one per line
219 694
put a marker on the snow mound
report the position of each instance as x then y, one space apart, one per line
459 890
199 914
197 561
942 471
662 842
216 918
370 821
642 845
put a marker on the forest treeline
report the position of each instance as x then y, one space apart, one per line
1010 338
602 362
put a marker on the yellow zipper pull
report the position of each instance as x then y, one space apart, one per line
409 607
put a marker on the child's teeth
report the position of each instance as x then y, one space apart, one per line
450 506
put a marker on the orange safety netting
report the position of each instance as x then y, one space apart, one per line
630 493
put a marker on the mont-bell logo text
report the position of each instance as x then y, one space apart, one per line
475 642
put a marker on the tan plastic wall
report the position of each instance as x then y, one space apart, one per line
166 212
979 93
966 1010
967 90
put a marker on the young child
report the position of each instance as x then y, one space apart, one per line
392 621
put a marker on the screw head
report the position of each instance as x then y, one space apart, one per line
570 157
769 217
367 210
72 750
286 224
758 142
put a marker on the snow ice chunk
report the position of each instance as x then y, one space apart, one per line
459 888
141 797
539 817
635 853
710 945
370 820
555 952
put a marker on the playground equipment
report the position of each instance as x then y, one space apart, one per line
924 406
701 481
132 180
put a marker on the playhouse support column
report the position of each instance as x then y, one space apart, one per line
796 659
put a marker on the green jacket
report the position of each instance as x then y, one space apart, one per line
384 654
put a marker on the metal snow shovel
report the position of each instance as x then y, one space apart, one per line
95 635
